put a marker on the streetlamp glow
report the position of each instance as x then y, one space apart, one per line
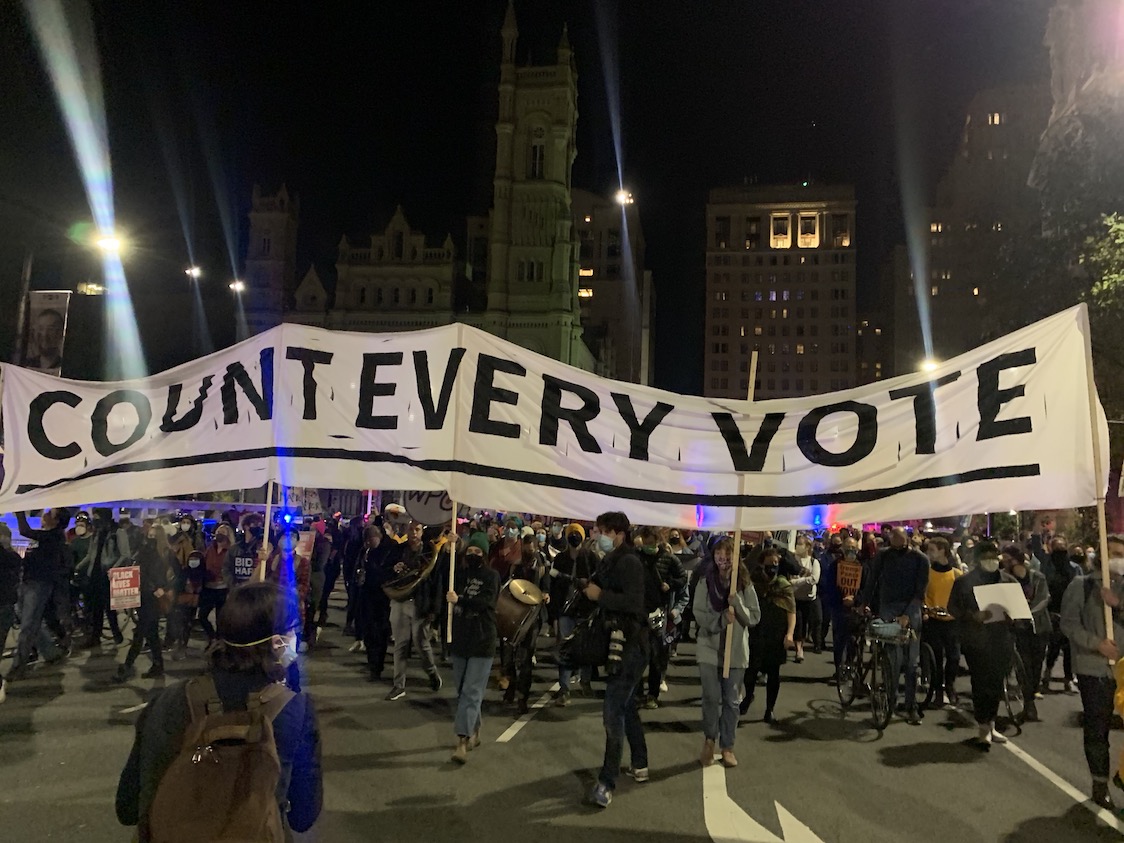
624 197
193 272
237 286
930 365
109 243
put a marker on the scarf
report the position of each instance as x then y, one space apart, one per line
717 592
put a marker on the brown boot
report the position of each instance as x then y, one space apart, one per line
460 754
474 741
707 756
728 758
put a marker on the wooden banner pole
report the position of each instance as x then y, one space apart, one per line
735 563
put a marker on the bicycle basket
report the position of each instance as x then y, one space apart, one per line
888 631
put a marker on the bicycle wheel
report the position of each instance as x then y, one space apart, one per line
881 699
925 687
1013 684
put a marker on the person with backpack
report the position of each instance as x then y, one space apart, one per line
233 754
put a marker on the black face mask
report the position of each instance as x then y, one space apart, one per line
574 540
770 571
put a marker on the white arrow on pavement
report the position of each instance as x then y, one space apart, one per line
726 822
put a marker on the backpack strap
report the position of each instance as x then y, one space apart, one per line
203 697
272 699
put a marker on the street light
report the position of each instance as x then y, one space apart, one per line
624 197
930 365
109 243
193 272
237 285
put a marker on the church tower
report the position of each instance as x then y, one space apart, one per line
532 256
271 256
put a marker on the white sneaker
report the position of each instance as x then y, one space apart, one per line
357 647
3 690
997 737
663 686
985 733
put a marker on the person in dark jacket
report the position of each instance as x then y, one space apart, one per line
895 590
475 589
664 577
519 658
257 632
156 564
985 640
412 618
10 564
45 581
569 575
1031 637
372 615
618 587
1059 568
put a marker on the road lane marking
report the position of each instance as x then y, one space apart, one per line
1105 816
131 709
726 822
515 727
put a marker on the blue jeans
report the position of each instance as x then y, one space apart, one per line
566 625
911 653
720 703
37 596
621 717
470 677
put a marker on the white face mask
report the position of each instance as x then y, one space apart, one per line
185 526
287 652
1116 566
80 529
989 566
193 562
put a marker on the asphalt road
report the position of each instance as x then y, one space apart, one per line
816 774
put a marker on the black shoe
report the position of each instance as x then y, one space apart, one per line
348 629
523 707
1100 796
123 673
375 676
435 681
769 718
18 673
1030 714
154 672
746 702
118 638
509 695
913 717
818 649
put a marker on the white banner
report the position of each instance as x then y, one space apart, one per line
1006 426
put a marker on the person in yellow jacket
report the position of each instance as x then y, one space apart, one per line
938 628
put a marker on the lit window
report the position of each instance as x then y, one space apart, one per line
936 289
586 272
994 118
757 331
781 235
800 348
936 227
878 332
975 291
809 231
772 295
588 218
585 292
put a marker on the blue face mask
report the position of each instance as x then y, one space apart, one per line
605 543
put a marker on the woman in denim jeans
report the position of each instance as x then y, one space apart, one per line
718 617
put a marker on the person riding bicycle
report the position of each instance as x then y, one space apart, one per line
895 590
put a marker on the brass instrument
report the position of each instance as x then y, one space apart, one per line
401 587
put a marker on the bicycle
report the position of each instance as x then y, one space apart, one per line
859 675
1014 699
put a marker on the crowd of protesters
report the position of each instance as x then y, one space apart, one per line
759 605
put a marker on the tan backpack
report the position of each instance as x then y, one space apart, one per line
222 787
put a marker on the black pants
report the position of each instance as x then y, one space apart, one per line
1031 647
331 574
1096 700
988 665
99 608
376 633
519 662
147 632
808 622
942 637
772 683
1058 643
657 663
211 600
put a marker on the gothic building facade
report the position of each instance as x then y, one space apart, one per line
526 249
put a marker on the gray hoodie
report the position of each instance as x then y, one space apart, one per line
1083 623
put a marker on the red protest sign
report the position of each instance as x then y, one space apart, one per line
124 588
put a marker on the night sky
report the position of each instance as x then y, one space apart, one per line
361 106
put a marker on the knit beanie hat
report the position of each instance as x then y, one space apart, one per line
575 528
480 540
527 532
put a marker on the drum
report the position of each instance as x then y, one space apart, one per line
517 609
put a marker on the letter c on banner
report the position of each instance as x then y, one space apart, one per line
99 421
807 434
37 434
